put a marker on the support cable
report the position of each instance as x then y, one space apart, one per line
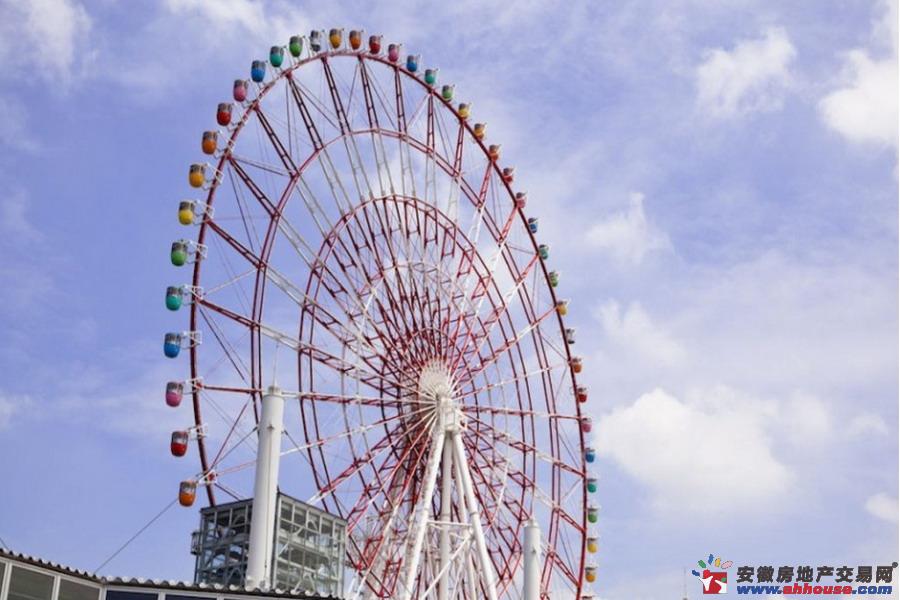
135 536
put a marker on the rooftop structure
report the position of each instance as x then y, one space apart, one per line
307 555
24 577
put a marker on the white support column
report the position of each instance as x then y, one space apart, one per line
471 570
446 490
487 568
419 525
265 491
531 551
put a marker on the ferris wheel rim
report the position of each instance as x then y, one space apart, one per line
226 157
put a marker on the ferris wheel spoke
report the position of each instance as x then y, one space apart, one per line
356 399
501 410
455 185
237 246
300 103
383 168
302 248
412 294
258 263
313 351
402 128
211 387
382 95
507 345
480 293
244 211
231 423
222 454
518 378
232 276
499 501
561 352
558 509
358 464
419 109
371 551
320 106
356 163
493 435
453 323
338 191
230 282
430 180
397 252
412 297
441 129
349 433
336 285
283 154
227 490
320 153
393 307
409 305
227 349
376 486
330 322
234 159
573 579
393 497
573 455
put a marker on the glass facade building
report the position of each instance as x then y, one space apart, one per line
308 556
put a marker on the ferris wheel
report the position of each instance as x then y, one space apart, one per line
360 251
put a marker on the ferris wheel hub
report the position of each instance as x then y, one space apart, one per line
436 382
436 387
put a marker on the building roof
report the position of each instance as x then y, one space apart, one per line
161 584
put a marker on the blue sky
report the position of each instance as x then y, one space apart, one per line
718 180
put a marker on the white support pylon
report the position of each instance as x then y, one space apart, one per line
446 489
422 512
487 568
531 550
265 491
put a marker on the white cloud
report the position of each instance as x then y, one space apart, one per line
752 77
865 110
14 218
883 506
124 404
634 331
58 29
246 14
627 236
14 126
809 419
9 406
773 323
865 425
710 454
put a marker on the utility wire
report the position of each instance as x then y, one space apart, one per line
139 532
3 543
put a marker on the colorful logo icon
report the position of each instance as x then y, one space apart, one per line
713 576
